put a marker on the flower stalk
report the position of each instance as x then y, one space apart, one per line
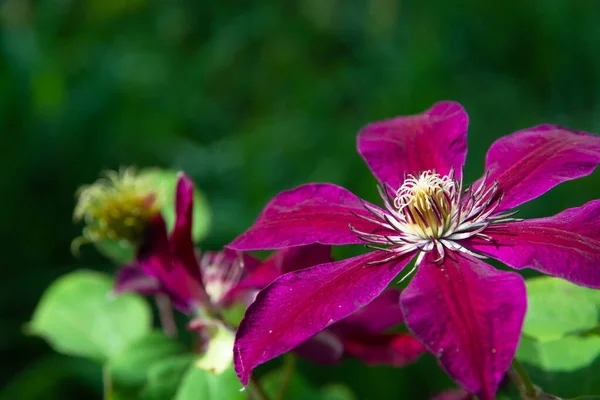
521 378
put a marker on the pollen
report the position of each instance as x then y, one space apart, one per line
428 203
116 207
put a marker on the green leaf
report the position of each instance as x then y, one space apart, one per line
131 366
567 354
557 307
78 315
202 384
164 377
336 391
166 183
219 354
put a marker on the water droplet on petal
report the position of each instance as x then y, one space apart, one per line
270 331
493 351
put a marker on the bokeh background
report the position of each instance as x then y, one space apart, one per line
250 98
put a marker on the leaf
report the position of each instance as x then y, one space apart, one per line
78 315
130 367
575 375
567 354
166 183
219 354
336 391
202 384
557 307
164 377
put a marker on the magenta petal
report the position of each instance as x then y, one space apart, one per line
300 304
130 278
323 348
382 313
395 349
300 257
435 139
530 162
312 213
470 316
181 241
155 259
283 261
566 245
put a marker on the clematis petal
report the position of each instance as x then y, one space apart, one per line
382 313
323 348
283 261
130 278
181 242
566 245
300 304
395 349
530 162
312 213
155 260
470 316
300 257
435 139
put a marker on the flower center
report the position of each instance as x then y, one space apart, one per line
117 207
220 273
427 203
430 212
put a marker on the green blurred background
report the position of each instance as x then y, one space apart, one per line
250 98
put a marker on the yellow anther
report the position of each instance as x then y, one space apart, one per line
116 207
427 203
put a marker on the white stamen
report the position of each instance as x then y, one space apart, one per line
430 212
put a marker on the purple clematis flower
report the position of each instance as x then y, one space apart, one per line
204 284
464 311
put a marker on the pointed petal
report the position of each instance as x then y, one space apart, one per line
312 213
300 257
435 139
300 304
155 259
566 245
530 162
130 278
470 316
382 313
323 348
395 349
283 261
181 241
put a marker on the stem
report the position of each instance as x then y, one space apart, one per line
289 364
256 391
519 375
107 383
165 313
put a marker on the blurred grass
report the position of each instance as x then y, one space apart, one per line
251 98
